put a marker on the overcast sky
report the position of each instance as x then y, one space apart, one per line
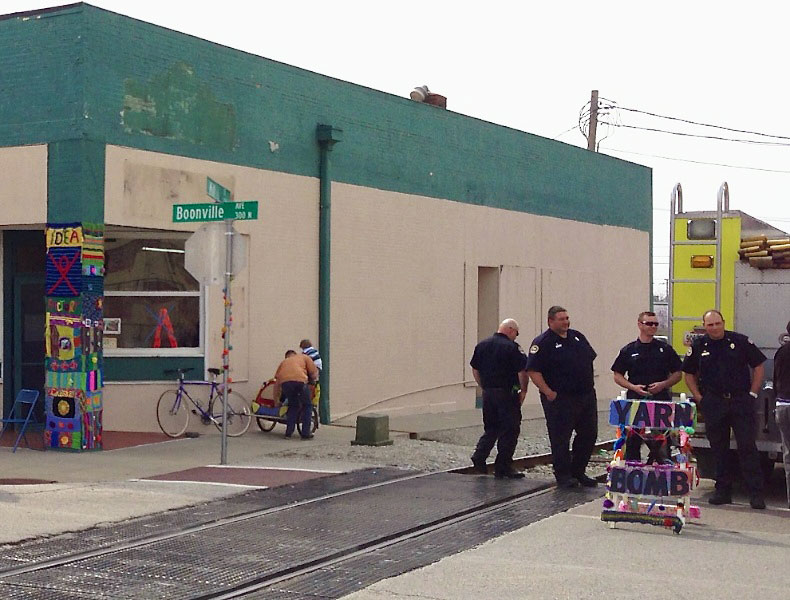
531 66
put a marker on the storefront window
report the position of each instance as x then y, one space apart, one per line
152 305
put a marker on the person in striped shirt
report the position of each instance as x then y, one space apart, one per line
307 348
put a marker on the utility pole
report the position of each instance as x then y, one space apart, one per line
593 121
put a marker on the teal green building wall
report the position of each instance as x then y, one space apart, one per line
97 75
75 181
79 77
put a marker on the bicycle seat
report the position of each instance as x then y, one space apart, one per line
214 371
177 371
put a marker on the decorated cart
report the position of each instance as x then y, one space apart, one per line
652 492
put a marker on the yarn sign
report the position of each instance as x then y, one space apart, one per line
656 492
652 481
651 414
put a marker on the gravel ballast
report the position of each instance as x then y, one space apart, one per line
434 450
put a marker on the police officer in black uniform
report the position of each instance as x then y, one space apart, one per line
560 364
653 367
717 373
498 366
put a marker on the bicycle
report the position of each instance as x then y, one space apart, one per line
173 410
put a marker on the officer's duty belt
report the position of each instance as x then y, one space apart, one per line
727 395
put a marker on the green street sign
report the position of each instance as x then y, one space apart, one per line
244 211
205 212
216 191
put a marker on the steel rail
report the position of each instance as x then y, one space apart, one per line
525 462
533 460
306 568
183 531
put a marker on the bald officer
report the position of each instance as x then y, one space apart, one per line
498 365
717 368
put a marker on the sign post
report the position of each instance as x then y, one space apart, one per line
223 209
223 454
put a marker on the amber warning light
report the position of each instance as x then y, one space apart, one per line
700 261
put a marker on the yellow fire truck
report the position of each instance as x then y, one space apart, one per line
731 261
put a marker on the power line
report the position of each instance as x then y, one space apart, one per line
696 135
564 132
699 162
644 112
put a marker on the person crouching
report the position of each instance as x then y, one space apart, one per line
293 375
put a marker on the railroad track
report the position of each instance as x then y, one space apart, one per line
535 460
444 503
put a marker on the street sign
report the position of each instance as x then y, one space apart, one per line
245 211
216 191
204 253
207 212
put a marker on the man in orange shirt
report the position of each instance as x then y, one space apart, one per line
292 376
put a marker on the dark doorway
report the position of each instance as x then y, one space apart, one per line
24 263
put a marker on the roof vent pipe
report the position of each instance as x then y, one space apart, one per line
423 94
419 94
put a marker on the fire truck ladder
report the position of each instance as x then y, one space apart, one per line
722 206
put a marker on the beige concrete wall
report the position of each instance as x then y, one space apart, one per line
23 198
2 317
274 298
405 293
23 185
404 283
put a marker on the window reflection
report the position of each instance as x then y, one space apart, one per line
154 321
146 265
151 302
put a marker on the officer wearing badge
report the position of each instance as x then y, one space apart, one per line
560 364
653 367
717 368
498 365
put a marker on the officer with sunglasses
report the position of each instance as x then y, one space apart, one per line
652 367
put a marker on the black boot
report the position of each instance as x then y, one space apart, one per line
720 497
479 466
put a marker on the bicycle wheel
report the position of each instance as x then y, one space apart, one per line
313 422
239 417
265 424
172 413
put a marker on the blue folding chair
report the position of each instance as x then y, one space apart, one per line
21 414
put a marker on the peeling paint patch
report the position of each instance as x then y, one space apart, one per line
178 105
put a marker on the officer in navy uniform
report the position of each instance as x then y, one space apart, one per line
560 364
498 365
653 367
717 373
782 410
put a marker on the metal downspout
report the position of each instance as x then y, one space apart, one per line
327 136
